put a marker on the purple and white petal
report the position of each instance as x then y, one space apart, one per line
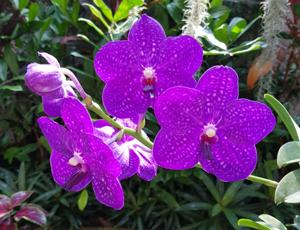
179 109
99 155
219 86
50 59
178 60
71 178
125 99
52 102
147 168
76 116
56 135
247 121
230 162
176 150
117 60
147 34
128 160
107 189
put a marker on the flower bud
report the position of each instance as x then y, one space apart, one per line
43 78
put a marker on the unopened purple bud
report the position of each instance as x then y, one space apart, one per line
43 78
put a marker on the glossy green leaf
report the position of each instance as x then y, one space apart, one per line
231 217
284 116
125 7
97 14
82 200
208 35
288 189
210 186
236 26
221 33
92 24
289 153
252 224
104 9
169 199
216 3
62 5
22 177
220 15
272 222
175 12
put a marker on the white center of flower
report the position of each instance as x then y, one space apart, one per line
210 132
76 159
149 73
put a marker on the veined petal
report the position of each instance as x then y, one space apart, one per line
176 150
71 178
247 121
219 86
116 60
125 99
56 135
230 162
179 108
76 116
147 34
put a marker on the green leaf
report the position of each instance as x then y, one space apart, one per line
175 12
210 186
296 223
272 222
230 193
217 209
220 15
91 24
231 217
289 153
221 33
104 8
236 26
195 206
168 198
11 59
62 5
15 88
288 189
22 177
97 14
208 35
216 3
33 11
82 200
284 116
125 7
3 70
252 224
22 4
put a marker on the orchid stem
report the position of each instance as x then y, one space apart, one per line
264 181
146 141
99 111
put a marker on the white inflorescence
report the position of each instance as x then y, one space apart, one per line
195 15
149 73
274 19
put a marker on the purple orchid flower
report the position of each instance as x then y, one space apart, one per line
212 126
48 81
136 71
79 157
134 157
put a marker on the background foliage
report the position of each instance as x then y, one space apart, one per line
73 31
